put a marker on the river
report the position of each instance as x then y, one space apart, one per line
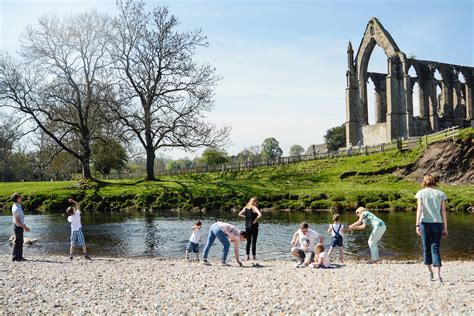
165 234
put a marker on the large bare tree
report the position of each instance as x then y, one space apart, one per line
163 93
59 82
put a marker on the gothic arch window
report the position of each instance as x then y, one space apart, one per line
415 95
377 64
439 91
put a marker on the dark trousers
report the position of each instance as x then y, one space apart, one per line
431 234
252 234
18 247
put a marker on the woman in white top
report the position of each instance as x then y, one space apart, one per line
225 233
431 223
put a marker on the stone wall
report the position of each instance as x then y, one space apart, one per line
421 126
375 134
316 149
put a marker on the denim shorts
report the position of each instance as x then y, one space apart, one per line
192 247
337 241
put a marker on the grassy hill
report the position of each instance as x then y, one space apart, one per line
339 183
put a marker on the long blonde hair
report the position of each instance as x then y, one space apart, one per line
250 202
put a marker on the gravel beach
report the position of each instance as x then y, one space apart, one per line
47 285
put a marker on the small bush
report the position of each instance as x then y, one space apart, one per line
321 205
380 205
336 197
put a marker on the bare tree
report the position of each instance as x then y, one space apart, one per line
163 93
59 82
42 155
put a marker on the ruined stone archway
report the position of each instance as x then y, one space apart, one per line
394 93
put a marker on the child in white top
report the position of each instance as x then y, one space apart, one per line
193 245
337 236
322 258
77 237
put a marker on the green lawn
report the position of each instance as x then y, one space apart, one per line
340 183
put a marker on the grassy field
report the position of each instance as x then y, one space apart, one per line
341 183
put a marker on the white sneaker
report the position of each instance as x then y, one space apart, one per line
206 263
311 266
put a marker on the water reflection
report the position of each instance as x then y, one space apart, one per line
166 234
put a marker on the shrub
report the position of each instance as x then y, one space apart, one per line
321 205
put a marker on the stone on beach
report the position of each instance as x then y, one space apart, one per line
143 285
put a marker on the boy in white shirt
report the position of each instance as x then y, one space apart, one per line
193 245
77 237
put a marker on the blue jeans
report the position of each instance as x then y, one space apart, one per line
216 232
431 234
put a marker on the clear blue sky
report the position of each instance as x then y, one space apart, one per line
283 63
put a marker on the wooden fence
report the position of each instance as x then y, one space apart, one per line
398 144
449 133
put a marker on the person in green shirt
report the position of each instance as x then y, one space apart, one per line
378 229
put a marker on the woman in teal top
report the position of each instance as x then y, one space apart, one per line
378 229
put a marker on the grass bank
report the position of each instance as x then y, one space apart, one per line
340 184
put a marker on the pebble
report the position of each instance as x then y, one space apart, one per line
144 285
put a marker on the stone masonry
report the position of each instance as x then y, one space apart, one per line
443 103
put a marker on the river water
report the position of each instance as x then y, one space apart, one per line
166 234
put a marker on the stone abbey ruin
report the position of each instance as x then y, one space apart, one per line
443 102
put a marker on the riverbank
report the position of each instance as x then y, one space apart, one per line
53 284
382 181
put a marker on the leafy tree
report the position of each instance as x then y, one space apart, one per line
64 166
14 162
212 156
335 137
251 153
296 150
109 155
162 92
177 164
7 139
271 149
197 162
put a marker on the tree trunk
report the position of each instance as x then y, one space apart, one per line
86 168
85 161
150 164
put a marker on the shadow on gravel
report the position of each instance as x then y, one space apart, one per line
103 259
47 261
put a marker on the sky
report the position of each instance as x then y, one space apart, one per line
283 63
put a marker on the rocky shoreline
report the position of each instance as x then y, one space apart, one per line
47 285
